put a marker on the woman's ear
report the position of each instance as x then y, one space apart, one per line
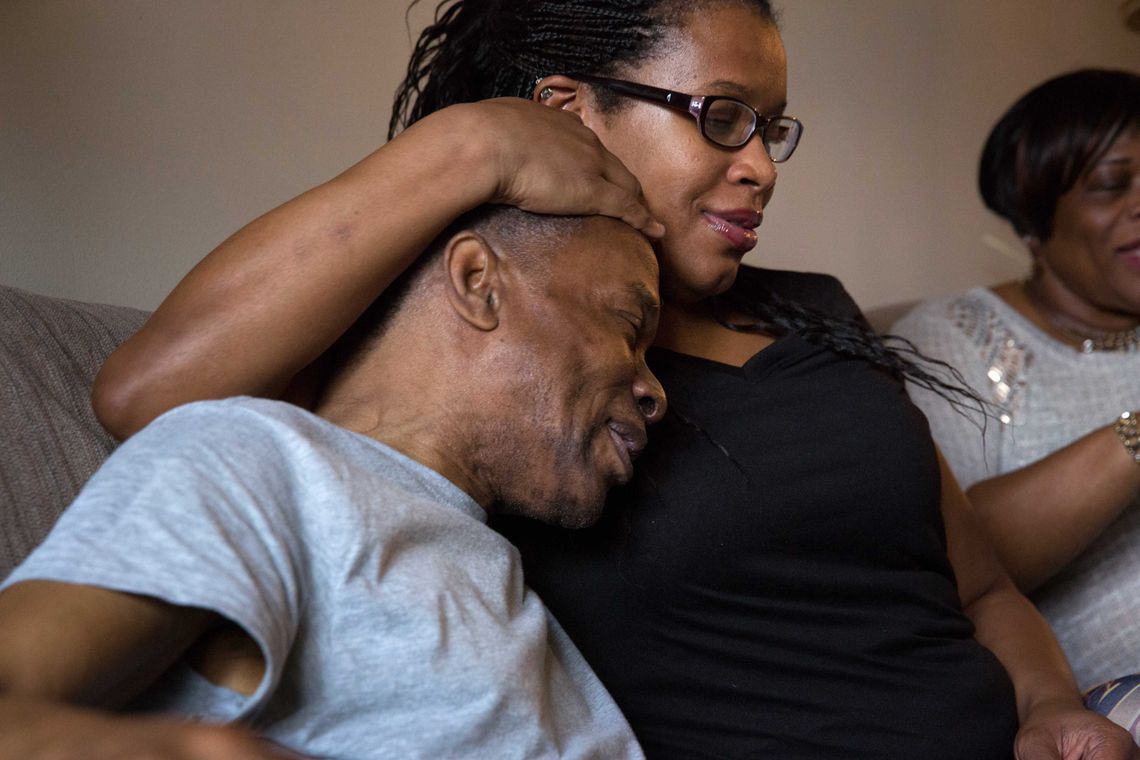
559 91
474 280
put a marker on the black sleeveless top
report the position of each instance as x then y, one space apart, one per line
774 582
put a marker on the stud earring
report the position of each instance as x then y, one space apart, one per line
545 93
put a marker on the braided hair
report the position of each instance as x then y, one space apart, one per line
770 313
478 49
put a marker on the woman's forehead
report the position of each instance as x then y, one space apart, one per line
726 49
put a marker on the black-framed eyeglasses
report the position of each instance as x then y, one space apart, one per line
725 121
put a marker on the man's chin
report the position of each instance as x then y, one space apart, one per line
561 513
581 518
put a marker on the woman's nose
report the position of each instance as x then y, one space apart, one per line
752 166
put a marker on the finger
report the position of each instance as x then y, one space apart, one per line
621 204
634 213
1037 745
613 170
1112 748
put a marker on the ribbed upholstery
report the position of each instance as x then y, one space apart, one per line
50 441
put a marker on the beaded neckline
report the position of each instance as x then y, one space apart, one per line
1088 341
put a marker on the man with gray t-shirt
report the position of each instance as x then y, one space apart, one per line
326 580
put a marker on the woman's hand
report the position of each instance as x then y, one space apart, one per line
1064 730
270 300
1054 723
548 162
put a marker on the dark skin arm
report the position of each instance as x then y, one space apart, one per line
1054 723
273 297
72 652
1040 517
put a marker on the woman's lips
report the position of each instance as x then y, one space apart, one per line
1129 248
738 227
1130 252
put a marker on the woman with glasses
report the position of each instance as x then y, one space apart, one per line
792 573
1056 476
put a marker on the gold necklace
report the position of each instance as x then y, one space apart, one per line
1088 340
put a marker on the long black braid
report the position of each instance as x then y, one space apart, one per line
478 49
768 312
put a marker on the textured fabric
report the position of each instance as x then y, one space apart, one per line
775 578
50 350
394 622
1047 395
1119 700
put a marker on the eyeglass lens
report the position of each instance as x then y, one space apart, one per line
730 123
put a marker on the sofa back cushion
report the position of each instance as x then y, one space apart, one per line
50 350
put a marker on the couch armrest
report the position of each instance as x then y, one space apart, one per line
50 350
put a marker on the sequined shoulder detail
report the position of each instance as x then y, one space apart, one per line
1005 357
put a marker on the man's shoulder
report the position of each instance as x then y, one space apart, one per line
234 440
237 421
242 410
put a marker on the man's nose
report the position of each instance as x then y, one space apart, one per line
650 396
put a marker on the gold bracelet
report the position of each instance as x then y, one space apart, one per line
1126 428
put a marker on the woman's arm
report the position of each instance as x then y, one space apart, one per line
1043 515
1054 722
274 296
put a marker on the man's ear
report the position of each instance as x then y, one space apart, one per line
559 91
474 280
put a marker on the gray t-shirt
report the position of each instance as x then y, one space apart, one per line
1046 395
394 623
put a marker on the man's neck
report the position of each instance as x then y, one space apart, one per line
411 419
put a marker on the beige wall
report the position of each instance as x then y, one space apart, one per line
898 97
136 134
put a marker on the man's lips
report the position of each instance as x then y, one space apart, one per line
629 441
737 226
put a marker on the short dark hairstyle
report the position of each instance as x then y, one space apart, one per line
1049 139
479 49
524 237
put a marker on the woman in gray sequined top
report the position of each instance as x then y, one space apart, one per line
1056 474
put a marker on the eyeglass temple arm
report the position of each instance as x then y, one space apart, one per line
677 100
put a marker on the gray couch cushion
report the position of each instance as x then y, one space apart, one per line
50 350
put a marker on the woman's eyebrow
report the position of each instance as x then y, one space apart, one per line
724 85
736 90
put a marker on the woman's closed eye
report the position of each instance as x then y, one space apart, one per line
1111 179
